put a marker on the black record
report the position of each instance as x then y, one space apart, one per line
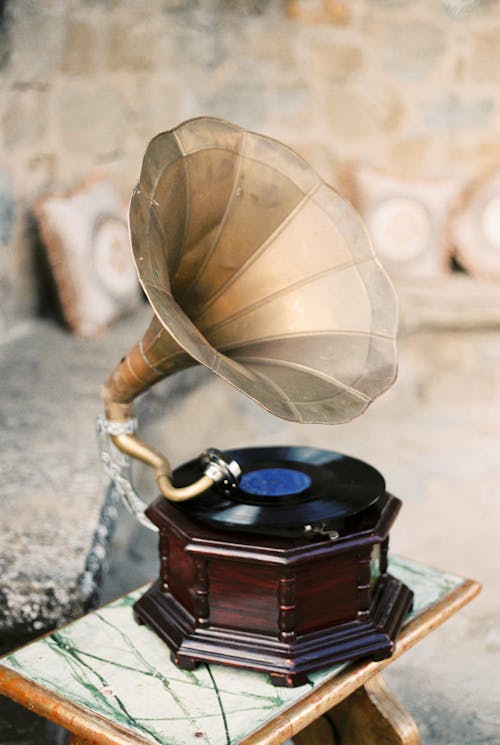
285 491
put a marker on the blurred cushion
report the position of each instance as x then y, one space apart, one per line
88 248
475 227
407 220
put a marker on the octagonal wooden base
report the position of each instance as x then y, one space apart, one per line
287 664
277 605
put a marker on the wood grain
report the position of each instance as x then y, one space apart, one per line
283 606
96 730
371 715
335 690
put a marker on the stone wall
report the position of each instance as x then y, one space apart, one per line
411 87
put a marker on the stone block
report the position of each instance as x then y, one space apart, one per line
25 120
337 12
484 62
79 55
155 105
484 152
179 5
53 548
7 207
463 8
37 34
408 47
244 7
5 39
91 117
450 112
412 157
197 45
40 173
335 61
5 292
131 45
21 301
270 50
53 551
292 104
243 103
358 115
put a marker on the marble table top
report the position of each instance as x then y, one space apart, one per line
112 667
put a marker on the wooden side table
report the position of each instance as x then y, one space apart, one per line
111 682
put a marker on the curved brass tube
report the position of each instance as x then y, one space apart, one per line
183 493
132 376
135 447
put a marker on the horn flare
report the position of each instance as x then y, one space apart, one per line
257 269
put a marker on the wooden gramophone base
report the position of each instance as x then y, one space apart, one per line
284 606
288 664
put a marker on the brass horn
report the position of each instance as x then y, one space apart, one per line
257 269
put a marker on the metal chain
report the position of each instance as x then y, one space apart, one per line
117 466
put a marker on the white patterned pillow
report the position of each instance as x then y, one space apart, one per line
407 220
88 248
475 227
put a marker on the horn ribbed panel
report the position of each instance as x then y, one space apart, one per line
260 271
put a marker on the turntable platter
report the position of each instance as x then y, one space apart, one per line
286 491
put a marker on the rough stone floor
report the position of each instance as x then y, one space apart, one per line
435 436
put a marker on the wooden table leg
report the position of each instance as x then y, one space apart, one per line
320 732
372 716
75 740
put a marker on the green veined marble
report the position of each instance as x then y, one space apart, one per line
108 664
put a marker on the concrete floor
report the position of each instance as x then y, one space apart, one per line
436 438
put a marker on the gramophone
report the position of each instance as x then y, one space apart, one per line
271 558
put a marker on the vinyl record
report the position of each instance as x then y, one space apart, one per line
286 491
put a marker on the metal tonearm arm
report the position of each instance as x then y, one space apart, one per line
133 375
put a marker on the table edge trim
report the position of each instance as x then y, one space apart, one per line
82 721
336 689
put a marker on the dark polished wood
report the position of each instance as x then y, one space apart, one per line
277 605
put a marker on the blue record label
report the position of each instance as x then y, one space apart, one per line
274 482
